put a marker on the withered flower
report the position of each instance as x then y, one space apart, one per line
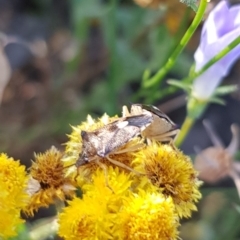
48 181
217 162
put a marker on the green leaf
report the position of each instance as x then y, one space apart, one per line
192 70
146 75
224 90
176 83
217 100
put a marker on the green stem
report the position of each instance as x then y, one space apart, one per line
150 98
186 127
172 59
178 35
112 90
143 93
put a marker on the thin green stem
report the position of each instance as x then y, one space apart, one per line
172 59
150 98
178 35
112 90
186 127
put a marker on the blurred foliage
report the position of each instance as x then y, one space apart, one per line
139 38
217 218
23 233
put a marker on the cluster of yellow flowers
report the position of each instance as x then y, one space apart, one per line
13 196
114 203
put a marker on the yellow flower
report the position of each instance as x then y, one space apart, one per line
94 216
48 181
142 200
148 216
173 173
74 145
115 181
85 219
115 212
74 148
13 196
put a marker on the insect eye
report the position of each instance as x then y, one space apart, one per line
83 133
85 158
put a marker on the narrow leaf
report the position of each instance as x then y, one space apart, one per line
177 83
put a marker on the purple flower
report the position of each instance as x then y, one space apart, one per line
221 28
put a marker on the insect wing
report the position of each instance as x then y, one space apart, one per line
162 128
122 131
156 111
119 139
158 127
112 136
141 121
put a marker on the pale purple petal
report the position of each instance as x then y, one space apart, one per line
220 29
205 84
223 26
203 56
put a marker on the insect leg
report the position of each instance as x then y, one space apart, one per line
122 165
177 131
104 168
166 137
130 149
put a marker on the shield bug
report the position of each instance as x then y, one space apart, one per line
162 128
109 138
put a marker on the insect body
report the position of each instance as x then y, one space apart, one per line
103 141
145 120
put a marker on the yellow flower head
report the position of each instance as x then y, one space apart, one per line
48 181
85 219
114 212
94 216
119 203
123 155
74 145
148 216
173 173
13 196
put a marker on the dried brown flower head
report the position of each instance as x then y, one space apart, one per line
215 163
48 181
